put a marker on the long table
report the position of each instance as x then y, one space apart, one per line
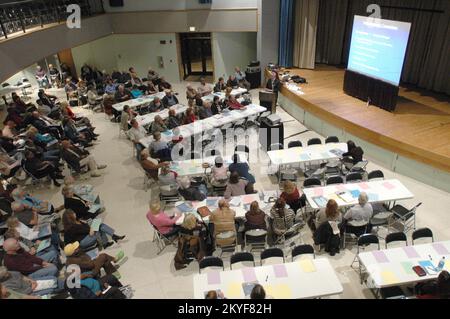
215 121
377 191
195 167
303 279
147 119
135 103
297 155
221 95
392 267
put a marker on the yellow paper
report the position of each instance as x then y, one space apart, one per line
307 265
389 277
447 265
282 291
333 196
234 290
270 290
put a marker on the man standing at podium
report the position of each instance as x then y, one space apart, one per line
274 85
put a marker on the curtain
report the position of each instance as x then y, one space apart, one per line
426 63
286 42
306 18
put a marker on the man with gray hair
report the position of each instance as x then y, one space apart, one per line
359 214
205 111
190 192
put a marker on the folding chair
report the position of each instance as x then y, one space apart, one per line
161 240
240 258
255 239
210 261
271 253
302 250
363 242
422 233
406 217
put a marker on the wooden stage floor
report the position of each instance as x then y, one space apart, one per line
419 128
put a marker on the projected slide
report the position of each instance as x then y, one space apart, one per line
378 48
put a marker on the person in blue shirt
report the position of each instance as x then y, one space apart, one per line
244 171
110 87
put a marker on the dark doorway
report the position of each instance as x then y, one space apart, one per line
196 54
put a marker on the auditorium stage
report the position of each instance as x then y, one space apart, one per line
419 129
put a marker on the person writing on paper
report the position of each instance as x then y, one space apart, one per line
80 231
360 214
17 259
164 224
75 256
292 197
329 214
204 89
283 217
255 218
79 206
236 186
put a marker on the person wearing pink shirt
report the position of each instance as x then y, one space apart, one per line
162 222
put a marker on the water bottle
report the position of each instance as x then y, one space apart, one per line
441 264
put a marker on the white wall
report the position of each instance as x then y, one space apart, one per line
121 51
268 31
150 5
100 53
25 73
231 49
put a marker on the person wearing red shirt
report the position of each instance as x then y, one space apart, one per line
291 196
233 104
189 117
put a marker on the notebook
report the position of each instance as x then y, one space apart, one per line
320 201
185 208
248 287
44 244
94 208
44 231
235 201
45 284
204 211
95 225
345 196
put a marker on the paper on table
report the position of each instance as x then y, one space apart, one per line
373 197
213 277
355 193
440 249
388 185
235 201
410 252
389 277
280 271
447 265
341 188
318 191
281 291
307 265
407 267
364 186
380 256
248 199
249 274
234 290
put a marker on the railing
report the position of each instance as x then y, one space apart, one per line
20 16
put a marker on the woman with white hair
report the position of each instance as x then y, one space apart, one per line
360 213
190 192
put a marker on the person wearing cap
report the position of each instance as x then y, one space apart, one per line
219 173
169 100
21 284
163 223
75 256
17 259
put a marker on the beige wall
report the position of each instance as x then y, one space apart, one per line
100 53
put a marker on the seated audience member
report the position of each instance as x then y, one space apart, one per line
78 158
19 105
71 133
53 156
233 104
156 105
9 166
163 223
219 173
79 206
283 217
110 88
435 289
46 125
151 165
164 85
6 293
70 88
191 93
216 107
40 169
159 148
22 287
40 206
28 216
75 256
242 169
255 218
354 154
93 98
136 92
220 86
85 191
198 102
47 99
362 212
172 121
153 76
20 121
258 292
240 77
167 177
115 75
135 134
134 76
204 89
10 129
16 259
189 116
205 110
169 100
106 287
150 88
291 196
190 192
76 230
236 186
127 115
159 125
329 214
66 111
82 91
232 82
122 94
17 230
225 217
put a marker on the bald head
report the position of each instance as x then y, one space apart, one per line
11 245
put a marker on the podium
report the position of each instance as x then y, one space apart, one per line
270 134
268 100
